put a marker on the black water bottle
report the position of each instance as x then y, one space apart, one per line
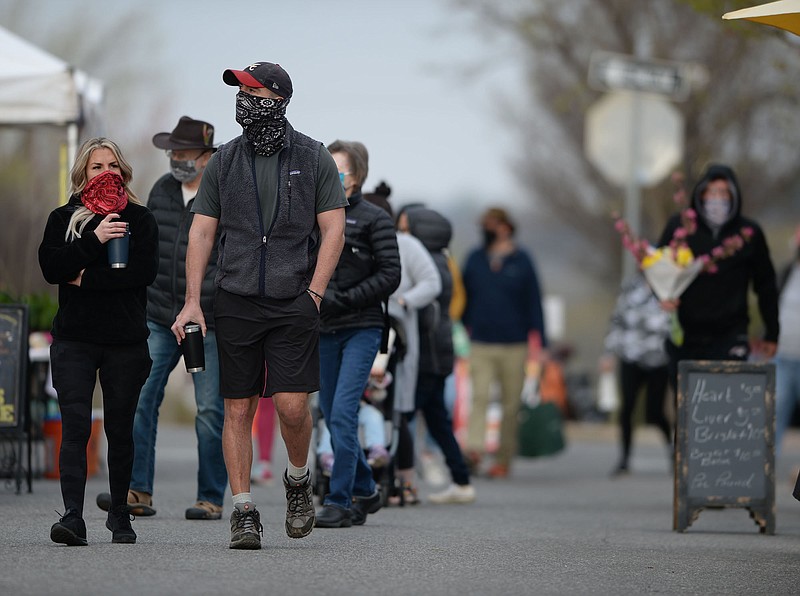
194 356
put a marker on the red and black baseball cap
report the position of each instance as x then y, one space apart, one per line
261 74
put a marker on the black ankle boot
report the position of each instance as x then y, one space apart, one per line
69 530
119 522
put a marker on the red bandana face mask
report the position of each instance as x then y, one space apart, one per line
105 193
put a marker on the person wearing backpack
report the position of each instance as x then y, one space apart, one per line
436 356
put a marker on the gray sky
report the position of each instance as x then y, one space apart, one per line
389 73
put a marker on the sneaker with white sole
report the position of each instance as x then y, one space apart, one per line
434 473
455 493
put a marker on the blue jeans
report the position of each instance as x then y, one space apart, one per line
787 394
345 362
212 476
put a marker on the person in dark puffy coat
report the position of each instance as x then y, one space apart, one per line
352 323
436 355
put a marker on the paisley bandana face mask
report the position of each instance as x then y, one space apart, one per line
105 193
263 121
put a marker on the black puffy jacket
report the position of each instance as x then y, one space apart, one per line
368 270
435 327
166 295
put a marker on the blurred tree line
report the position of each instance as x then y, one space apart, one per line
32 156
742 109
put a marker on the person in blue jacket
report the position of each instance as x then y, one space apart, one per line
503 316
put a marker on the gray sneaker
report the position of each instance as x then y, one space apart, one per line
299 506
246 528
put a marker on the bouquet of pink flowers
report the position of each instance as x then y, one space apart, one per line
671 269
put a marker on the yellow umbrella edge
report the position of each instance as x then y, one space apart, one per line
784 14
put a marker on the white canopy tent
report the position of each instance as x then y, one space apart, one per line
39 88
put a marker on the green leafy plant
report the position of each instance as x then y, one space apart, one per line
42 308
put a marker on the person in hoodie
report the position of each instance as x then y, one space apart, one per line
436 354
713 310
100 326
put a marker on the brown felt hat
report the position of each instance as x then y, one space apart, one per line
188 134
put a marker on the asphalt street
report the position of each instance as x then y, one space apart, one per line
559 525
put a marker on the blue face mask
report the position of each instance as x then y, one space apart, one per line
341 178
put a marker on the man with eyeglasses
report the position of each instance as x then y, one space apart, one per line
188 148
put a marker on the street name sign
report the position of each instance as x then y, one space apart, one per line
609 71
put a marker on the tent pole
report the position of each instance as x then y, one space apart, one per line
72 143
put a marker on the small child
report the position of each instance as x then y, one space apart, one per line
371 423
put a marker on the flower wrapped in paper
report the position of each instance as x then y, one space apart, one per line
669 272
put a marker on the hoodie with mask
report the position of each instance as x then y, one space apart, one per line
715 305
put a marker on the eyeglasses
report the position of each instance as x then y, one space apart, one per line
171 153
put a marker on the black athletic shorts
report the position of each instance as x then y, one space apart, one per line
266 345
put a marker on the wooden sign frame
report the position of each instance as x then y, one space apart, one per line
736 415
14 407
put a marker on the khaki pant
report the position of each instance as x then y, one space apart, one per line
504 363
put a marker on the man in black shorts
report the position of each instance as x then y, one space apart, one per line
276 196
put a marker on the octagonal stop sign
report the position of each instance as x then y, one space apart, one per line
633 133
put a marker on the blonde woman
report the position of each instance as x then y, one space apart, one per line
100 326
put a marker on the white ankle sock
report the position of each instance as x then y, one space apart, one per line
295 472
242 498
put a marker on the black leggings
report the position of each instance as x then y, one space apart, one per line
123 371
430 401
405 443
632 377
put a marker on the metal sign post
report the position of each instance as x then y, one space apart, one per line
634 136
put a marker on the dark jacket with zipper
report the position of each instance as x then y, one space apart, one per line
109 307
714 307
278 262
166 295
435 327
368 270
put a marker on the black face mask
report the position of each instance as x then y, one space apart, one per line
489 236
263 121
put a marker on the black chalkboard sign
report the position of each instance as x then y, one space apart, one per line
13 365
13 387
725 440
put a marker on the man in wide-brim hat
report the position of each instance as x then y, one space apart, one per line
189 147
